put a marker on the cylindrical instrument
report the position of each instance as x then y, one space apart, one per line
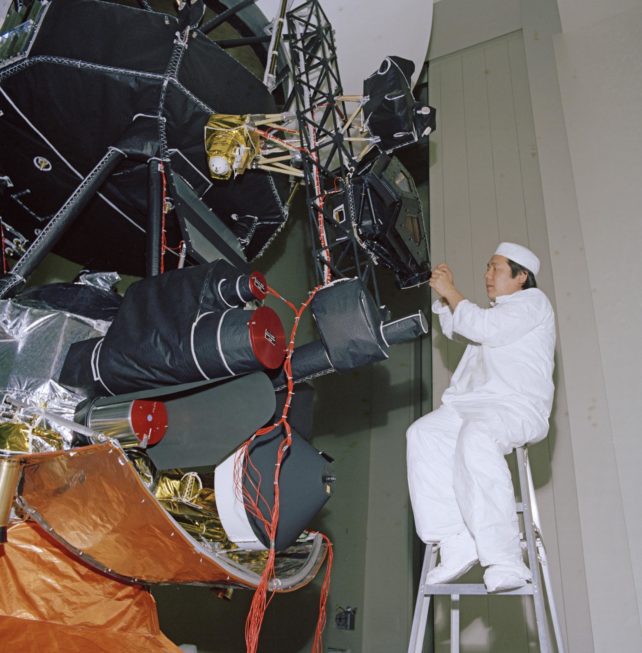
182 326
238 341
133 423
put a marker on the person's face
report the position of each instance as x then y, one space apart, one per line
498 278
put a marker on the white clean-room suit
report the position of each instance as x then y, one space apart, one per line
500 397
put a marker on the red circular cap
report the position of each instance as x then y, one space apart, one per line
258 285
148 418
267 337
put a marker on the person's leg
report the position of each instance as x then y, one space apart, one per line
431 443
485 495
430 451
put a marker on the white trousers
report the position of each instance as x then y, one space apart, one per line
459 479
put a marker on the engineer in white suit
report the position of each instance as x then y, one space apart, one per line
500 397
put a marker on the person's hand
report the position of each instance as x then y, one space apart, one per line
442 280
443 267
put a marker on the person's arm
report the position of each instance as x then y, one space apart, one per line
506 322
441 279
445 315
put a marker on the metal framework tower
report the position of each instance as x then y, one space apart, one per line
328 156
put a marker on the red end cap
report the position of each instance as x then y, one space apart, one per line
149 418
258 286
267 337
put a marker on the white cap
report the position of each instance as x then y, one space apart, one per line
520 254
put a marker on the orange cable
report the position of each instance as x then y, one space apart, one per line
317 646
252 499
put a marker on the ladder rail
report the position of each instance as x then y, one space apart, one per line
538 598
422 604
454 623
546 573
543 558
540 588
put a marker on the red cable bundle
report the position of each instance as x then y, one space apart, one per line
161 169
317 646
258 506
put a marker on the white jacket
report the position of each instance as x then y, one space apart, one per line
509 361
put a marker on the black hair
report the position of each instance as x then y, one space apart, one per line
516 268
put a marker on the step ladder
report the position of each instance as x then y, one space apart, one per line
537 563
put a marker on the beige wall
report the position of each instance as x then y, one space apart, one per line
486 188
577 15
599 61
4 7
583 73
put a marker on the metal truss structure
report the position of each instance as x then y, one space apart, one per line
328 152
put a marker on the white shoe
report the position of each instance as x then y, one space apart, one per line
504 577
458 554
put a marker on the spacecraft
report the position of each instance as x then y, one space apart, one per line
133 143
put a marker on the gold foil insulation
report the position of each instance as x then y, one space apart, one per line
143 464
97 526
192 505
231 143
93 500
189 499
29 437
